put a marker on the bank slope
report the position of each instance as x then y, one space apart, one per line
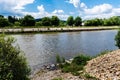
105 67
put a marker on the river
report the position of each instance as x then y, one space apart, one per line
41 49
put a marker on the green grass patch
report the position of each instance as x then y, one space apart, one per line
59 78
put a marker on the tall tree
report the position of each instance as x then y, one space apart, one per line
28 20
3 22
11 19
78 21
70 21
55 21
46 21
13 65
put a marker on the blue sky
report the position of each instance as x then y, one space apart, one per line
86 9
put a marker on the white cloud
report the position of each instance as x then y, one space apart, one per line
74 2
42 13
58 11
83 5
16 7
15 4
99 9
41 8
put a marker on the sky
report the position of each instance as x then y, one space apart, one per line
86 9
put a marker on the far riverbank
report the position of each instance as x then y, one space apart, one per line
61 29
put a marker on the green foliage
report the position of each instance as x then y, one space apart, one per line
55 21
88 76
81 59
103 53
28 20
12 19
38 24
46 21
62 23
58 59
77 64
117 39
94 22
13 65
3 22
73 68
78 21
59 78
70 21
17 23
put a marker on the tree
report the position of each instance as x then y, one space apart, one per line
39 23
3 22
13 64
55 21
28 20
11 19
70 21
117 39
17 23
78 21
2 16
46 21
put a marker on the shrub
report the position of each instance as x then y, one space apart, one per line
58 59
13 65
117 39
59 78
81 59
88 76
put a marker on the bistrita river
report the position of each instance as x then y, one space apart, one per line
41 49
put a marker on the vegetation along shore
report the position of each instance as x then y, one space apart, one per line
62 29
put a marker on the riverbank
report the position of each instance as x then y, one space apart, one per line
64 29
104 67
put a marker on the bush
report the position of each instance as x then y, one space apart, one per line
3 22
13 64
59 78
117 39
81 60
88 76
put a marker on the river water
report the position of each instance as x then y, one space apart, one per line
41 49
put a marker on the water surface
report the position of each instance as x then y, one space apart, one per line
41 49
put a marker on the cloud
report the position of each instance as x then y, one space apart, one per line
74 2
43 13
58 11
83 5
99 9
14 4
16 8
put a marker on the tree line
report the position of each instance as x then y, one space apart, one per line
29 20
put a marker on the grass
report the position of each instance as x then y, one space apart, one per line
77 64
59 78
76 67
102 53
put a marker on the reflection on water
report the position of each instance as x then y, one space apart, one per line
41 49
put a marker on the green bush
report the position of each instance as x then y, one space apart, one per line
88 76
59 78
81 59
58 59
72 68
117 39
13 65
